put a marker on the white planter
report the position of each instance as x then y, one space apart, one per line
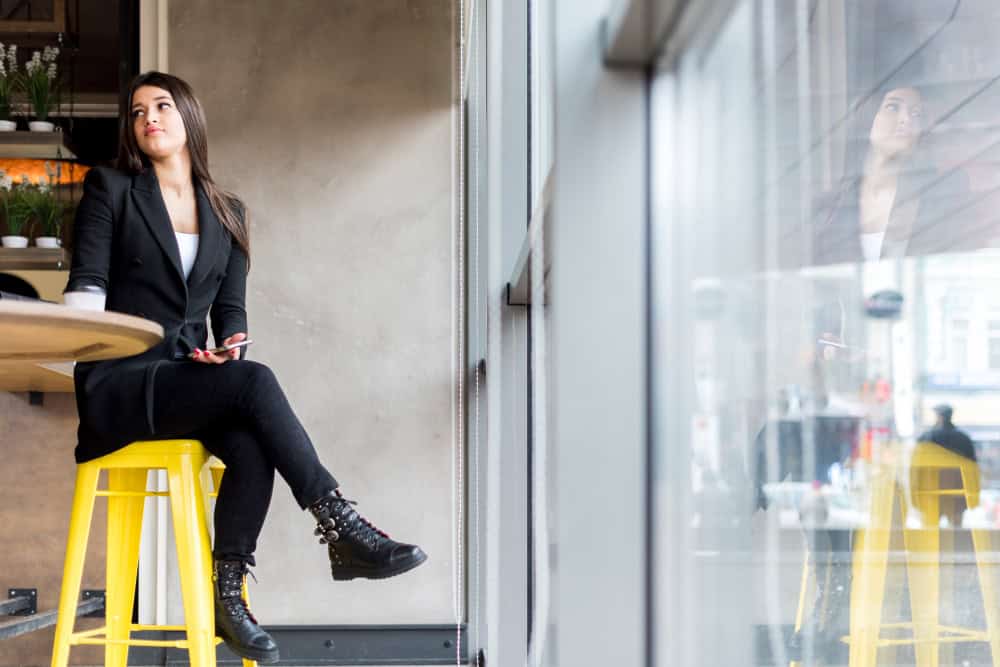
8 125
41 126
47 242
14 241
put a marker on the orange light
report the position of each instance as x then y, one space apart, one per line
69 172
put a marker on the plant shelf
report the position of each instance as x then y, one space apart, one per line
33 259
42 145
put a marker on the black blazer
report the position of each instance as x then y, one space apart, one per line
124 243
942 222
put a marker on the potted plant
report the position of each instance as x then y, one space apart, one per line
15 215
41 84
8 84
46 209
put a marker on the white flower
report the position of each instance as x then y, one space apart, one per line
6 183
51 73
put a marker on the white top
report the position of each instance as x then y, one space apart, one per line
188 245
871 245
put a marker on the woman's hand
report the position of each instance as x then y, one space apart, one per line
206 357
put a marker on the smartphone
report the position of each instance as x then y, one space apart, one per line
225 348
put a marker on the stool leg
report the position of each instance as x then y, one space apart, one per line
892 606
124 532
922 569
923 554
800 612
982 544
76 552
871 556
987 583
194 559
946 585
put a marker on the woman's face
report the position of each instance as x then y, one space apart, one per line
158 126
897 125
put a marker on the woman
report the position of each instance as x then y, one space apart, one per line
164 242
891 203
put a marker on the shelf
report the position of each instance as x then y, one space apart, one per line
43 145
33 259
83 105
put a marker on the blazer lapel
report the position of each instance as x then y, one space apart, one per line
148 199
209 241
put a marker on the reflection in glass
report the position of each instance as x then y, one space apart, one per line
828 336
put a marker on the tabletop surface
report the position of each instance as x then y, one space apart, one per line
32 333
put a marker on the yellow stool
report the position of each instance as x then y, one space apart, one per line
871 556
184 461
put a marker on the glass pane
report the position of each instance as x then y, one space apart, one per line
826 336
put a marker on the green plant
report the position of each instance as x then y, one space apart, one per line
9 81
41 81
45 208
16 214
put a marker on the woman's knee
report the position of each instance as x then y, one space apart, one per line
258 372
253 376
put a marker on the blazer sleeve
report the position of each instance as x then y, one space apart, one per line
229 313
93 231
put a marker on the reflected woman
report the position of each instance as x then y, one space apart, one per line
874 215
891 204
162 241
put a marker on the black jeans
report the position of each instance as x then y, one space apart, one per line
240 413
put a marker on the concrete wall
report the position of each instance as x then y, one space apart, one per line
332 118
36 495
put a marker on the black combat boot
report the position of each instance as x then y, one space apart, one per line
356 547
233 620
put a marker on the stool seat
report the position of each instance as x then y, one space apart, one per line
189 484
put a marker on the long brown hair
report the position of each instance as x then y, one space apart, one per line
229 208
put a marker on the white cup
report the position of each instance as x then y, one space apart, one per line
84 300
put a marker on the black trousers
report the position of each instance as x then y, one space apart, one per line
240 413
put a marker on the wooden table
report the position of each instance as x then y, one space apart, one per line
34 333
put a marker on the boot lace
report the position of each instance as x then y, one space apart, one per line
231 592
351 520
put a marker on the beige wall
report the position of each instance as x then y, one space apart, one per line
332 118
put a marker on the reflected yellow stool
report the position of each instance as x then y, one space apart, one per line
184 461
871 557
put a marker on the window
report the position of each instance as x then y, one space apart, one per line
960 344
824 244
994 345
